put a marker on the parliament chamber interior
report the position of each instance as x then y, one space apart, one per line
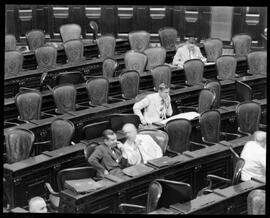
135 109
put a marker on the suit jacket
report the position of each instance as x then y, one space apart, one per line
183 54
151 105
103 159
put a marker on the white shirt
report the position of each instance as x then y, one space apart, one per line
145 149
255 160
183 54
154 110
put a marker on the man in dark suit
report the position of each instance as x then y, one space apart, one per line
107 157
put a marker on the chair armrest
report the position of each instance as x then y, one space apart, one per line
7 122
81 106
208 142
177 86
244 133
203 191
112 98
211 177
262 126
50 189
125 208
44 113
42 143
228 133
170 151
228 101
199 144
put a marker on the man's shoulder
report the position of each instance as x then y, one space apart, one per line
144 137
153 95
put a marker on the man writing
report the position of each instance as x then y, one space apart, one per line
187 52
107 157
138 148
156 106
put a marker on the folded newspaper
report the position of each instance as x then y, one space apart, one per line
188 115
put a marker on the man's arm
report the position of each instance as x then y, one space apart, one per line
94 159
139 106
200 54
168 105
177 59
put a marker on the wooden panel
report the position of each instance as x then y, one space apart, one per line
76 16
141 18
204 21
238 19
191 21
108 20
178 21
254 23
125 15
10 20
25 20
92 13
221 23
59 16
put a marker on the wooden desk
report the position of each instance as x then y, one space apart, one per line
192 170
26 178
231 200
187 96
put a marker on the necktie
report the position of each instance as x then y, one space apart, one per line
162 110
114 155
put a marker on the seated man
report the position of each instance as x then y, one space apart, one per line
156 106
187 52
138 148
254 154
107 157
37 205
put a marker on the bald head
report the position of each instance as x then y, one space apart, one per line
37 205
260 138
130 131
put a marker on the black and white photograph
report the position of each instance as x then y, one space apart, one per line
135 109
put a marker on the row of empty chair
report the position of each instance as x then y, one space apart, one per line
139 41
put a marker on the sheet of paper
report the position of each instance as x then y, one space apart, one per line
188 115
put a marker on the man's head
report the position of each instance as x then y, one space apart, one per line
109 137
191 43
130 131
260 138
164 91
37 205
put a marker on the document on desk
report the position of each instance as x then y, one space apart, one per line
137 170
188 115
82 185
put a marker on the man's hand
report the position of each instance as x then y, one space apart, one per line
106 172
119 145
143 121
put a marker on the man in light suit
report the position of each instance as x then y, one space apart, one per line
187 52
138 148
156 106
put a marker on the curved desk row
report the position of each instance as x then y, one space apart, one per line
187 96
26 178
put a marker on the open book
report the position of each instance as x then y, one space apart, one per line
188 115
